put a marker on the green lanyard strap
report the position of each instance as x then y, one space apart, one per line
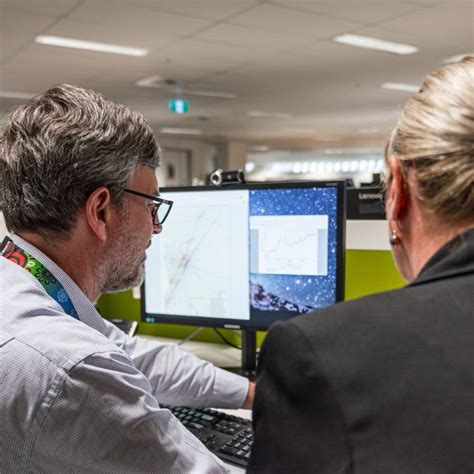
12 252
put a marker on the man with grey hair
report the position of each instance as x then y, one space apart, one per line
79 192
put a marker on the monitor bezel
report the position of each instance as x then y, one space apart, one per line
340 186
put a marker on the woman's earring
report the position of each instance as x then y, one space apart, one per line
394 239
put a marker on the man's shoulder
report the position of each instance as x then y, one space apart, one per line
34 319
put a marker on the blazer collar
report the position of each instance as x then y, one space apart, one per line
453 259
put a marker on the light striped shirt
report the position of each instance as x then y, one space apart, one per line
81 396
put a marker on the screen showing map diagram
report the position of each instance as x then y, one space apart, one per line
198 266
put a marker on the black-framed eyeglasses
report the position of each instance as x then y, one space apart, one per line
161 209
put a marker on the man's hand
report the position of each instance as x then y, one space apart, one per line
250 396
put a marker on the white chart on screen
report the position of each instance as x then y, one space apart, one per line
289 245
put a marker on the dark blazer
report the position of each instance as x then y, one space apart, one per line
383 384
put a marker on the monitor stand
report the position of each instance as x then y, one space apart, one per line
249 355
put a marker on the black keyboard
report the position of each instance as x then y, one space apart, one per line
228 437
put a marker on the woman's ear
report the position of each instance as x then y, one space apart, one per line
99 212
397 199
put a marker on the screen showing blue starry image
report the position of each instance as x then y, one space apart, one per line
292 251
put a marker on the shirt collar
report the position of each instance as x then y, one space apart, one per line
84 307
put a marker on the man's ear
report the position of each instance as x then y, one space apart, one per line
99 212
398 198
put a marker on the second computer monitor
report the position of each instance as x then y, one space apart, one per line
246 256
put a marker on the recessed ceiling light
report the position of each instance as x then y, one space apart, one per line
17 95
398 86
260 148
278 115
181 131
90 45
375 43
249 166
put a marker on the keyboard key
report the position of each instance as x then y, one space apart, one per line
196 426
228 450
208 417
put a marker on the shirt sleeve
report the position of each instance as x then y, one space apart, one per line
178 377
120 427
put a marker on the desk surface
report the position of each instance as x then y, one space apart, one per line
220 355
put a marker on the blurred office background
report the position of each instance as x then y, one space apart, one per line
285 89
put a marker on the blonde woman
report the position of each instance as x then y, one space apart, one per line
385 384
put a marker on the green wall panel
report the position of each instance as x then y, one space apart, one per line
370 271
367 271
122 305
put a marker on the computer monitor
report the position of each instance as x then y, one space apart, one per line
365 203
244 256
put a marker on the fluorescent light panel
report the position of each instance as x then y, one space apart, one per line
398 86
90 45
346 166
374 43
259 113
181 131
17 95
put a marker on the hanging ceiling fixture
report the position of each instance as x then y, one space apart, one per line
175 86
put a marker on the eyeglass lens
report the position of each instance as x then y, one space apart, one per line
160 213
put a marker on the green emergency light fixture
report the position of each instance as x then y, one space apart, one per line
178 106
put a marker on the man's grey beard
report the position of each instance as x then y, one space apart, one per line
114 283
122 266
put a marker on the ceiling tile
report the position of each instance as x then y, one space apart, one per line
454 24
227 54
15 21
208 49
52 8
18 30
207 9
362 11
251 37
287 20
162 61
425 41
435 2
119 16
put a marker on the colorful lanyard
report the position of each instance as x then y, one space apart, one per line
53 287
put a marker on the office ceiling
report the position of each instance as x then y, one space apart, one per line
276 56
